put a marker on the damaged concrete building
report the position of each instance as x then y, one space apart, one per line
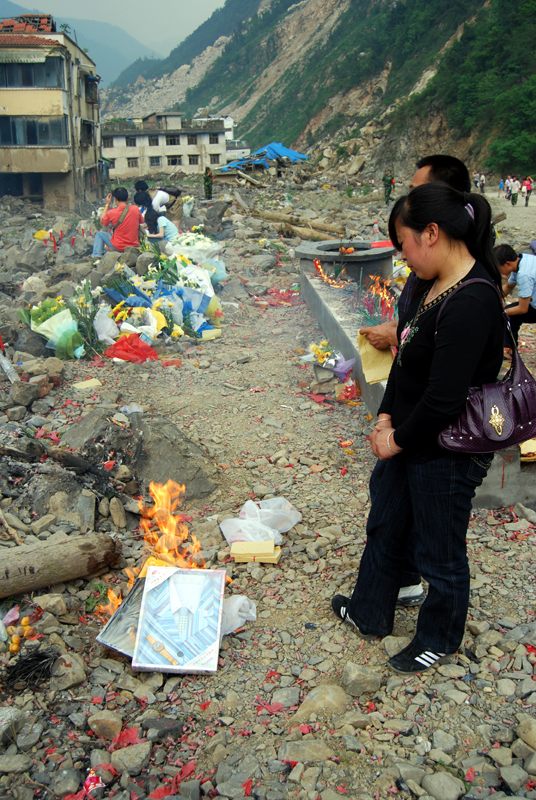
163 143
49 116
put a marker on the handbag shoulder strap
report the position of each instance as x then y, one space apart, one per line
122 218
467 283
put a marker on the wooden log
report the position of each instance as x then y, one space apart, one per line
292 219
305 233
33 566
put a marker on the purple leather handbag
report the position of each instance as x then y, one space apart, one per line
499 414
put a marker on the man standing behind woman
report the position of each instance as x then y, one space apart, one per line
423 501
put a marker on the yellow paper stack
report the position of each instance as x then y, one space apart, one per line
263 552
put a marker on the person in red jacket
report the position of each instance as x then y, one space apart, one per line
125 221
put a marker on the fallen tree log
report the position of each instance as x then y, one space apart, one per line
291 219
305 233
30 450
33 566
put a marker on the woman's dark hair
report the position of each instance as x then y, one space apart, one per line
151 219
141 186
462 216
142 199
120 194
171 190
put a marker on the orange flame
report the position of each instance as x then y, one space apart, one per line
109 608
167 538
335 282
166 535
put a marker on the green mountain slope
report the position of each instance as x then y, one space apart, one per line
223 22
486 84
369 34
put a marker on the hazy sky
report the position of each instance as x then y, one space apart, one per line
161 24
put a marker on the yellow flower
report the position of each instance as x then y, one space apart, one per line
59 298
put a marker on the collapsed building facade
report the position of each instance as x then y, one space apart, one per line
163 143
49 116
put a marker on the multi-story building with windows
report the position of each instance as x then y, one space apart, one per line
163 143
49 115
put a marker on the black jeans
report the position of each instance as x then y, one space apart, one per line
409 575
423 507
516 321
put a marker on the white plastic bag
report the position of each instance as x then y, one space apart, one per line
105 328
244 530
196 254
276 512
237 610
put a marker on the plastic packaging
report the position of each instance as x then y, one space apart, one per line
217 269
130 348
237 610
132 408
9 369
187 206
196 254
105 328
244 530
277 513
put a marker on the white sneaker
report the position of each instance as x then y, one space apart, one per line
411 596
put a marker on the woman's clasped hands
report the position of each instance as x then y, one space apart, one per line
383 444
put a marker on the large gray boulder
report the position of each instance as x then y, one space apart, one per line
154 448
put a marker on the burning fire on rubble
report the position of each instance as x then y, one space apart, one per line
167 538
335 282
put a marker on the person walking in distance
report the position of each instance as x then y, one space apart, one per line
527 183
482 183
501 188
515 190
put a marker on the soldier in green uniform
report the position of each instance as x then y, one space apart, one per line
388 183
207 183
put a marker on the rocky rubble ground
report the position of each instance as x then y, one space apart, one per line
299 707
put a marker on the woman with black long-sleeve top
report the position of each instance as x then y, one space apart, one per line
424 498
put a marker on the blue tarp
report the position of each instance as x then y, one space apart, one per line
267 153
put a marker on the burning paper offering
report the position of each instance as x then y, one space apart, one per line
180 620
119 632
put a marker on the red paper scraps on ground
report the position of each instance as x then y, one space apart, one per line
247 786
530 648
126 737
172 362
78 796
318 398
131 348
202 706
185 772
95 700
109 465
344 470
470 775
278 297
161 791
271 708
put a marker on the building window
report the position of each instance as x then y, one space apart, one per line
49 75
193 160
43 131
192 138
131 141
213 138
107 141
215 159
174 161
86 134
172 141
153 141
154 161
92 94
132 163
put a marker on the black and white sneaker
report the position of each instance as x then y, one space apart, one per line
414 659
339 604
410 596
